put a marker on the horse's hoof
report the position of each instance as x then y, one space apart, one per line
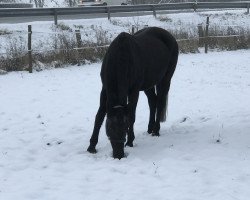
130 144
156 134
91 149
150 131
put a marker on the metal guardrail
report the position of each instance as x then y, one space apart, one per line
205 5
25 12
16 5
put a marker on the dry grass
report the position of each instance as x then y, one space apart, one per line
232 38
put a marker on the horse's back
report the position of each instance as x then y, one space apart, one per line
157 33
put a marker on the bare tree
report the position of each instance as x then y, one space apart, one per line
71 3
39 3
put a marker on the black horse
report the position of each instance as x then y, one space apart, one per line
145 61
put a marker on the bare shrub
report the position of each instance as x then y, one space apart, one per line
62 51
230 38
4 32
71 3
188 46
15 58
101 36
117 22
39 3
163 18
78 26
187 43
93 51
65 50
62 26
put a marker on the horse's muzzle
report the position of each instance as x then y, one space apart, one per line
118 149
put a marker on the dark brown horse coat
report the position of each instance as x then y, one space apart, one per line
142 62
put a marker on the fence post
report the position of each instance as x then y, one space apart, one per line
55 17
133 29
200 34
206 35
29 48
247 8
195 7
154 12
79 45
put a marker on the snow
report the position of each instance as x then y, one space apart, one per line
46 120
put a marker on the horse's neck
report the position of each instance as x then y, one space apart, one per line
120 57
122 85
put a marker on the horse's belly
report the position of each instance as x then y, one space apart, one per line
153 63
153 75
151 81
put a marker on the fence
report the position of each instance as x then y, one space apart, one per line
77 49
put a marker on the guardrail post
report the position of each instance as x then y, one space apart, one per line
55 17
154 11
108 11
206 35
29 49
79 45
195 7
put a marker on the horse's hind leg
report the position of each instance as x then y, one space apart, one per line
162 93
152 107
133 99
98 122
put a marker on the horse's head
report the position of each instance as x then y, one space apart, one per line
116 129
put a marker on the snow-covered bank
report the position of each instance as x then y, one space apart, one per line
203 152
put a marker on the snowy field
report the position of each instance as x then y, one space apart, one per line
203 153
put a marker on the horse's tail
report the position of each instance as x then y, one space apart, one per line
164 112
170 73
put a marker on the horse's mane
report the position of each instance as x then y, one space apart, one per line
125 61
119 58
123 44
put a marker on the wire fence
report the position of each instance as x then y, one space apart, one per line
71 49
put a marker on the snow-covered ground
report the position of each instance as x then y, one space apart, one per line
46 119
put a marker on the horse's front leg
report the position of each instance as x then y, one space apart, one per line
132 99
98 122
